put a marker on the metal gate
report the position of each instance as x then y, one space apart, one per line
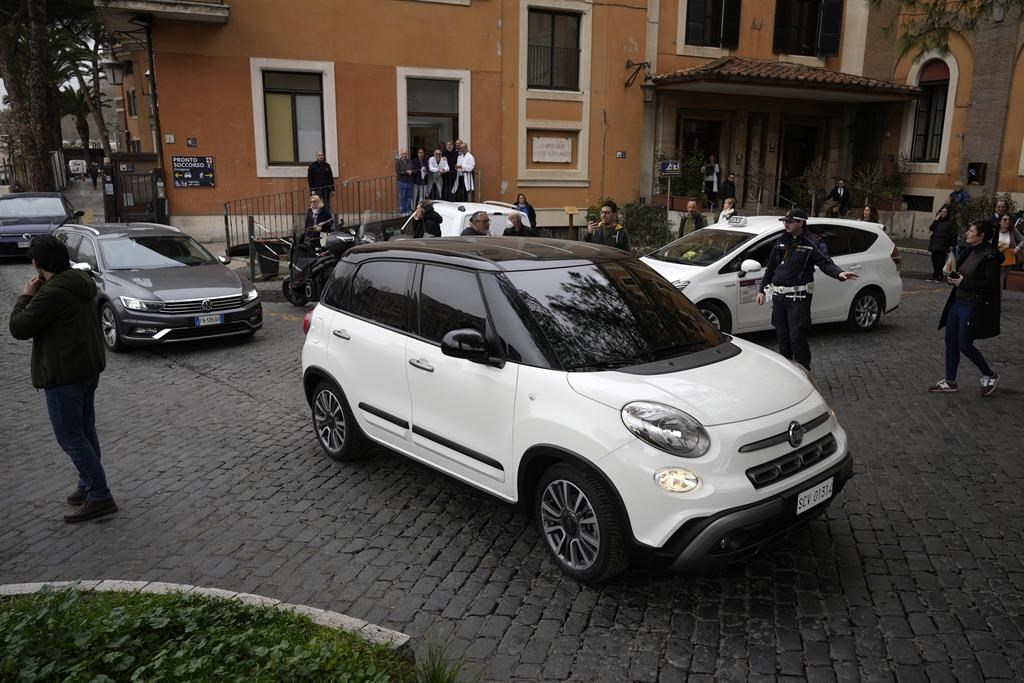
135 193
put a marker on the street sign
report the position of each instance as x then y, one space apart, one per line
670 167
193 171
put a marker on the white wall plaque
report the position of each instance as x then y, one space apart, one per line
552 150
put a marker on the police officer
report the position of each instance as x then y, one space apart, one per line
789 278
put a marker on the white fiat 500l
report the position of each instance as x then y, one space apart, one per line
713 267
571 378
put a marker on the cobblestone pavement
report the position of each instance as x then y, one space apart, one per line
914 574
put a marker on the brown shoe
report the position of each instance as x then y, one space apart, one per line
91 509
76 497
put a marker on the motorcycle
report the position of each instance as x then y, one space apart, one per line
310 266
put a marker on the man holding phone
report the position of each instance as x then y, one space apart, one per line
56 311
608 231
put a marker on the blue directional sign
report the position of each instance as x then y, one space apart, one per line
670 167
193 171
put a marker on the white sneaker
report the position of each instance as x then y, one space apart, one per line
988 384
943 386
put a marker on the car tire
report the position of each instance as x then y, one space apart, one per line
865 310
334 425
590 549
108 326
293 297
717 315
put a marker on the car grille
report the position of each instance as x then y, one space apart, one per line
796 461
220 303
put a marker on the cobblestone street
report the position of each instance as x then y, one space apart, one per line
914 573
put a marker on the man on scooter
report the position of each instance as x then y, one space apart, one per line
318 219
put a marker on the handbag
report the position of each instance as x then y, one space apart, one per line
950 265
1009 258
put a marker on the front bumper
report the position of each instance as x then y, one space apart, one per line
140 328
15 246
740 533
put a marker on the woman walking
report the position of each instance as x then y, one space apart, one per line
941 241
972 309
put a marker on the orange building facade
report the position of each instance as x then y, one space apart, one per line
567 101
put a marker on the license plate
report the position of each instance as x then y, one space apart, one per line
814 496
24 245
214 319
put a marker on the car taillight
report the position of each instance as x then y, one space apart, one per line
897 258
307 320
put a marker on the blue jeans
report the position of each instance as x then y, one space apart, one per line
958 340
73 417
405 197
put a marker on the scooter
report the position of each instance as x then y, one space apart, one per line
310 266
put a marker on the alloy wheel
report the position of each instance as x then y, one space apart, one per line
108 323
866 311
329 421
570 524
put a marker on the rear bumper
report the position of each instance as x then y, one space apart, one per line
739 533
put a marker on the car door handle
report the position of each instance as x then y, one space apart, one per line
421 363
341 334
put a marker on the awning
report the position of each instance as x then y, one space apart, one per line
755 78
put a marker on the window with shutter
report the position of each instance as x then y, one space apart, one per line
930 118
713 23
808 27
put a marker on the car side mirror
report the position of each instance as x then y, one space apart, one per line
224 259
466 343
749 266
82 266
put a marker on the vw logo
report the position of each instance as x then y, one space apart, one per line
796 434
207 305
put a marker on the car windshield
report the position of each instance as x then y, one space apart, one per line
153 251
702 247
612 315
32 207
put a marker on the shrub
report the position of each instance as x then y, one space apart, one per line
82 636
647 224
982 208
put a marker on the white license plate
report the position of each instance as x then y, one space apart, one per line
812 497
214 319
24 245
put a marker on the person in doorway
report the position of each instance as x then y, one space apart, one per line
437 174
94 173
527 208
608 230
788 277
451 157
57 311
420 171
972 309
692 220
321 179
465 165
841 196
516 227
728 188
404 179
479 225
943 236
712 172
318 219
425 221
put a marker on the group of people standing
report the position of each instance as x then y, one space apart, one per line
447 174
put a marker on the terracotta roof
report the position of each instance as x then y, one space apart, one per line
736 69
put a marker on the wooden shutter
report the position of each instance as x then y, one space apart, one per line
695 22
830 26
783 37
730 24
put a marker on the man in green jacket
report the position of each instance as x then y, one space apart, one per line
57 312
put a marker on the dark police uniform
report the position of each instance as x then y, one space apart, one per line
789 271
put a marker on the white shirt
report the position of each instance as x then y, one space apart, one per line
466 163
438 165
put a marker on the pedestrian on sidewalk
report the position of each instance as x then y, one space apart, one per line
320 177
56 311
94 173
943 236
404 178
607 230
972 309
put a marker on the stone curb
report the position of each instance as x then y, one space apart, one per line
378 635
913 250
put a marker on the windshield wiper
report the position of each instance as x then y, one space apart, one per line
663 352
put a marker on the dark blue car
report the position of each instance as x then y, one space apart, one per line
23 215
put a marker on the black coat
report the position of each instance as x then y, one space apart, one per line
612 237
727 189
319 174
324 221
430 225
943 235
984 282
698 222
531 214
840 197
417 171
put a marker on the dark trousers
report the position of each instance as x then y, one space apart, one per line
73 417
792 320
958 340
938 261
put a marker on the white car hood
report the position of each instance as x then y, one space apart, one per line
673 271
749 385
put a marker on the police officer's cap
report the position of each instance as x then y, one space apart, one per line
795 215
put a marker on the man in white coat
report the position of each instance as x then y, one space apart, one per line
464 181
436 168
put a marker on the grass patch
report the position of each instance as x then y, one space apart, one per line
102 636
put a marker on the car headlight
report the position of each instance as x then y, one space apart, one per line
133 304
250 295
680 284
666 428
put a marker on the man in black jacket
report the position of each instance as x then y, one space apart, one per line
56 310
841 196
692 220
321 179
609 231
425 221
790 276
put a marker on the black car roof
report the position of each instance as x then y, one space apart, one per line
107 230
491 253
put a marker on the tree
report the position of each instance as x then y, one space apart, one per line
927 24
